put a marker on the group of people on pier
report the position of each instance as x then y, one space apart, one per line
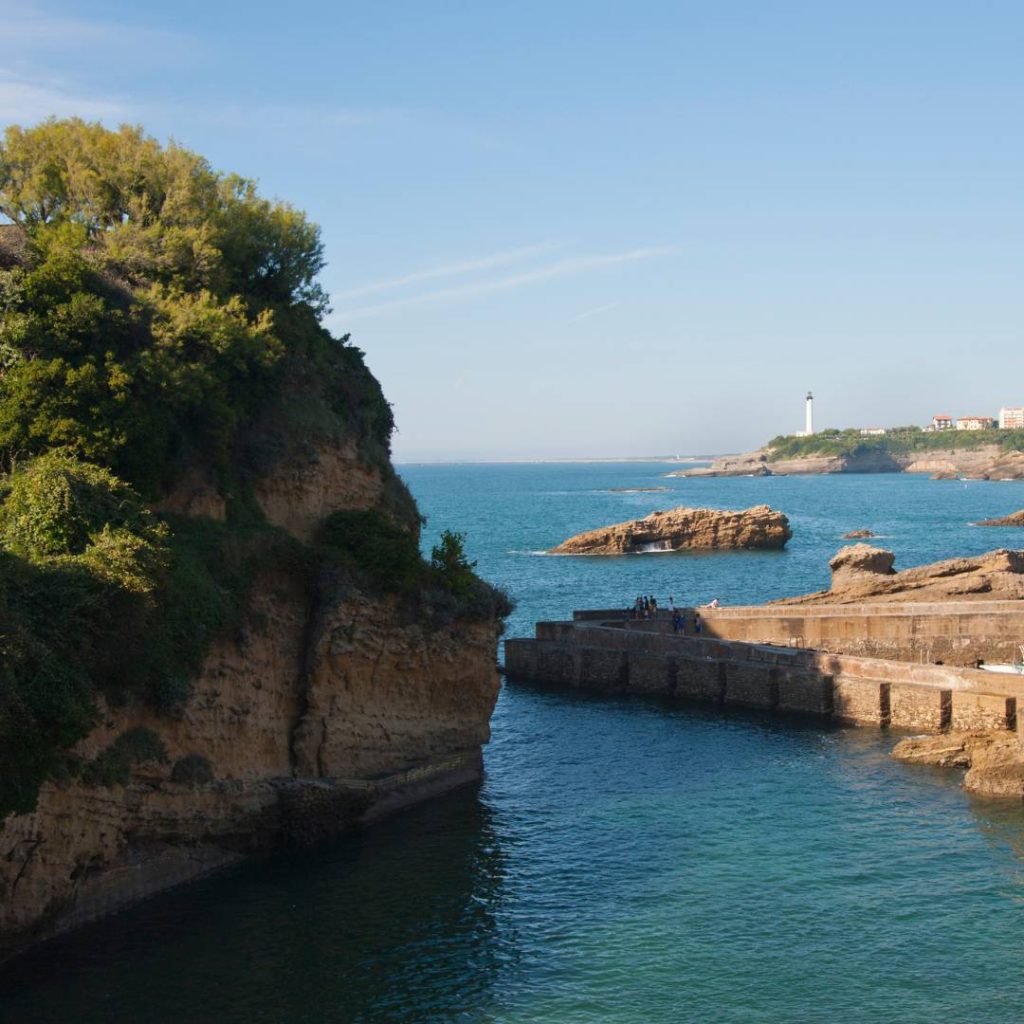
646 607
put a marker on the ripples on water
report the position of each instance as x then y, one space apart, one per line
624 860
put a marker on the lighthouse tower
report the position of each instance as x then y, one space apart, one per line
810 415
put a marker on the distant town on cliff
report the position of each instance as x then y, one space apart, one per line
1009 418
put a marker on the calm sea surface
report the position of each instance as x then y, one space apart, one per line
624 860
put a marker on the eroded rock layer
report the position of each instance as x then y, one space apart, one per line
994 760
861 573
682 529
987 462
326 707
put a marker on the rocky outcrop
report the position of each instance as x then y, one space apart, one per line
636 490
988 462
994 760
1015 519
760 463
861 573
326 707
682 529
857 534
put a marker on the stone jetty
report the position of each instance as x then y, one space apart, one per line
897 659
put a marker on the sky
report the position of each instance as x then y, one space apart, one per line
586 229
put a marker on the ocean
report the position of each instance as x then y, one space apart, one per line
624 860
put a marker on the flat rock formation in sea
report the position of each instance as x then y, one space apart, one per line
1014 519
994 759
861 573
636 490
988 462
682 529
857 534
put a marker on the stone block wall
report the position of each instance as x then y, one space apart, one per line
884 693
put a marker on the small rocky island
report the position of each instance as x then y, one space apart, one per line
862 573
1014 519
685 529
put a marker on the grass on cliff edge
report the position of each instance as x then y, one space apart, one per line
901 441
387 559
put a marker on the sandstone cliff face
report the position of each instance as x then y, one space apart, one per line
861 573
682 529
319 712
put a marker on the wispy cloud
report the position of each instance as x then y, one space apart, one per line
561 268
53 64
27 27
596 311
449 270
26 102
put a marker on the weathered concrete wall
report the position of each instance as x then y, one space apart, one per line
951 633
848 688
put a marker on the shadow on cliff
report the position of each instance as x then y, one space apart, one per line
395 923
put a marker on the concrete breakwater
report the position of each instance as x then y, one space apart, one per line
937 632
617 654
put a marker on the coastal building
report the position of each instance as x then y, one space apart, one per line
809 417
942 422
1012 418
975 423
872 431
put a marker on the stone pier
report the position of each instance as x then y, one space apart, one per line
620 655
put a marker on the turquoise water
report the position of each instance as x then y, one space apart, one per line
624 860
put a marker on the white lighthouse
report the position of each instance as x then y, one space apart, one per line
809 427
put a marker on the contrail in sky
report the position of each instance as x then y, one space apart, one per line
562 268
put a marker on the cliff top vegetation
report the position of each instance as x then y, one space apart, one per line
898 441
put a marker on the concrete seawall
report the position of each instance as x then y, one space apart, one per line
954 633
624 656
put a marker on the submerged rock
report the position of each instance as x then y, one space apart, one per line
857 534
636 490
682 529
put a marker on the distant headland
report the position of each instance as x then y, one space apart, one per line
975 454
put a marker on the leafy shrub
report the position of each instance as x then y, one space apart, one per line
59 505
192 770
474 598
369 541
449 562
140 326
113 766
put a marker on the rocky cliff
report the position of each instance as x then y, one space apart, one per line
217 630
861 573
327 705
988 462
682 529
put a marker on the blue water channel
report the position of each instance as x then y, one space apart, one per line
624 860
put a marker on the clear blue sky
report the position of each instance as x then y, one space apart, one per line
594 228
